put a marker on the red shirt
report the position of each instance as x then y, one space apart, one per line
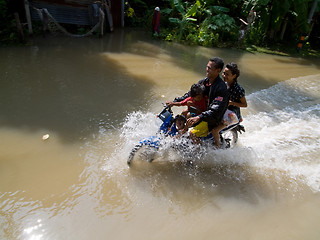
201 105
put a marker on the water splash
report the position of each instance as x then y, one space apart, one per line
281 141
283 129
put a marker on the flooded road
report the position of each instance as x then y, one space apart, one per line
96 98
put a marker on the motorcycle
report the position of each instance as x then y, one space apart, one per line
149 146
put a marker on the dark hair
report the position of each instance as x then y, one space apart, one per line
196 89
218 62
180 118
234 69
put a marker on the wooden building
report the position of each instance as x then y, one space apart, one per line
78 12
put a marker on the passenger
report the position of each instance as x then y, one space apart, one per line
197 102
236 94
218 98
181 127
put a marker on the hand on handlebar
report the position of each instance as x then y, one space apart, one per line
169 104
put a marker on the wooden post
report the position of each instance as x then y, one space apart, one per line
284 27
101 18
122 13
107 7
27 9
19 27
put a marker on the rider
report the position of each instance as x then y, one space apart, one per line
197 101
218 98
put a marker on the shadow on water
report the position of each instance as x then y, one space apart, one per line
65 87
195 186
258 71
300 61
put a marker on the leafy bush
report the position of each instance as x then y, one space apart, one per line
8 32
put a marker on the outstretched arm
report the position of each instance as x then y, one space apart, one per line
180 99
170 103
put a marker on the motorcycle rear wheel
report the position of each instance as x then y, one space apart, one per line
229 138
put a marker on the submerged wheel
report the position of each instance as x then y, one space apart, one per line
132 153
230 138
142 152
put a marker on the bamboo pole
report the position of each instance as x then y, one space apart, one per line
101 18
314 6
27 9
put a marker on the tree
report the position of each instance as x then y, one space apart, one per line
274 15
186 13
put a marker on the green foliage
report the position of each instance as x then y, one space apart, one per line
216 22
272 16
203 38
3 9
256 35
300 7
186 15
222 23
3 12
201 23
8 32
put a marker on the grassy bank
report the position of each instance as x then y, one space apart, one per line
285 50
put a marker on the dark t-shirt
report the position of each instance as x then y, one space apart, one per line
236 93
218 99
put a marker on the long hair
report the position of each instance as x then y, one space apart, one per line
233 67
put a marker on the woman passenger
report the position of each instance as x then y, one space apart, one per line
237 97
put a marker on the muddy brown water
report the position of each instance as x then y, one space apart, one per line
95 98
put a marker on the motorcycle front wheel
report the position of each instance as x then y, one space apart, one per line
142 152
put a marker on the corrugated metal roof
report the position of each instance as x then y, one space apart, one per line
64 13
80 2
75 11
